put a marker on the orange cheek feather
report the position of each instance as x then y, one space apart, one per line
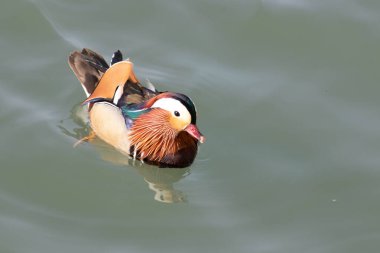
177 124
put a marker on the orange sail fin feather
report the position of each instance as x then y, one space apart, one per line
156 127
118 74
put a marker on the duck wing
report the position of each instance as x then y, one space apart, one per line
115 83
88 67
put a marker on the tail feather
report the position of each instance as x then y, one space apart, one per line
88 67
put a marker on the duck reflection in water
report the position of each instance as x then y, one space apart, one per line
160 180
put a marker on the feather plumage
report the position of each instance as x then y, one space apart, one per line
154 140
122 114
88 67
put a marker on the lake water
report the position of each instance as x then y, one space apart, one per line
288 98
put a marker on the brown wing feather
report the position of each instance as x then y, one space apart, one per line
95 58
135 93
88 67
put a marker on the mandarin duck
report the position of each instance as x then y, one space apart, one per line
151 126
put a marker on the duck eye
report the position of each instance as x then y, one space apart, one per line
176 113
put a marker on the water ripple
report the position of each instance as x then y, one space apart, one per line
60 31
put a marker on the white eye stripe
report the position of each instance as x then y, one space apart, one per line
172 105
168 103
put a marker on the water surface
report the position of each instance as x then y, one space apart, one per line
287 94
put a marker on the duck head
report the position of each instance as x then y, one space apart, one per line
167 132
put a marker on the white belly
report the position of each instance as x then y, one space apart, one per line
108 124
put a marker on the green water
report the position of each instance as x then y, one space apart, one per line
288 98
